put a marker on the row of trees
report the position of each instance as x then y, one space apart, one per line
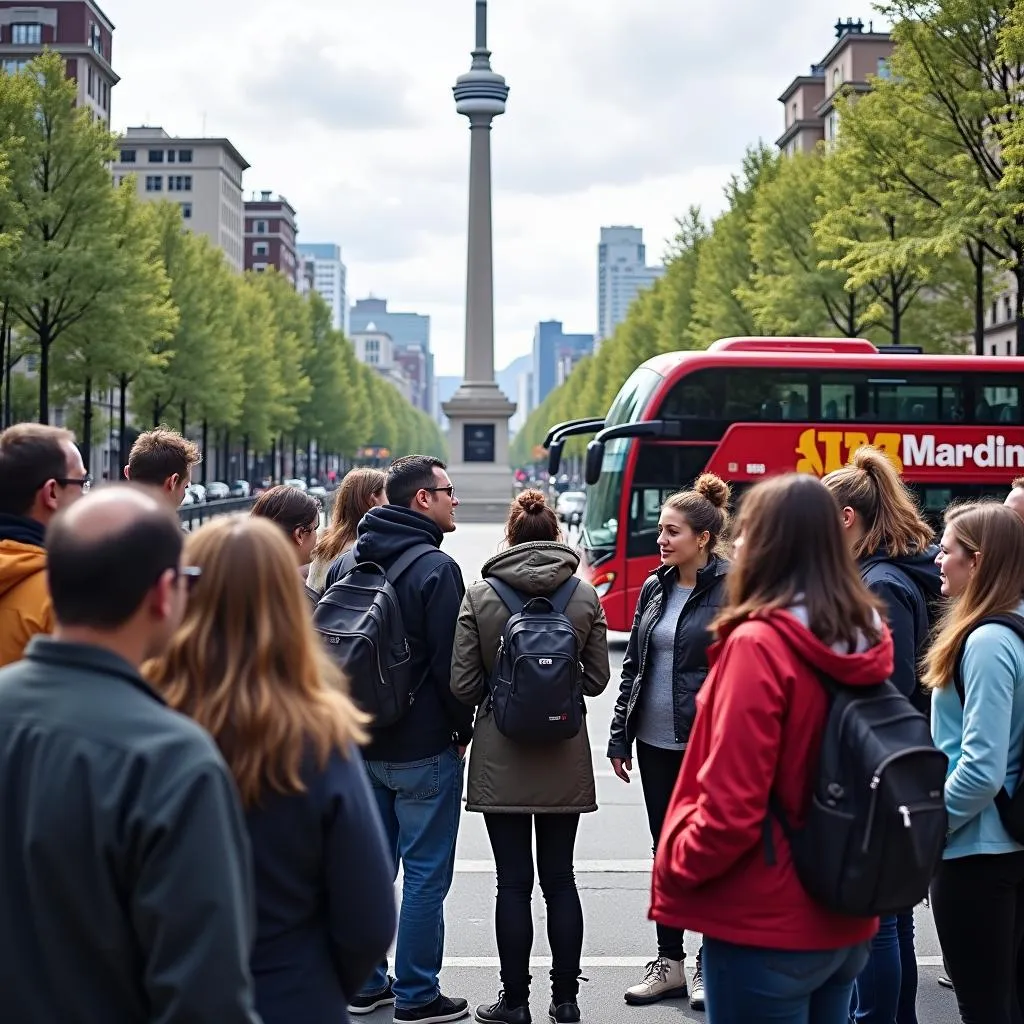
102 292
902 231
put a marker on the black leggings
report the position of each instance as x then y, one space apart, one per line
510 836
659 769
978 903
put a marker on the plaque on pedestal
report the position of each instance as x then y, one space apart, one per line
478 442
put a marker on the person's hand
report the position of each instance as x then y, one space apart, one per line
622 767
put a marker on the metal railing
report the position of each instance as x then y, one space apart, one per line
194 515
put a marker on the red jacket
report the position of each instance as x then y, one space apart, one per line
760 715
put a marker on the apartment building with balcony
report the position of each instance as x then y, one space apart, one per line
202 175
270 233
809 101
76 29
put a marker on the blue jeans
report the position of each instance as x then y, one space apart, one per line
886 990
748 985
419 804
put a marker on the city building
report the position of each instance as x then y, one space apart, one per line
622 272
406 329
270 231
524 400
412 361
323 272
376 349
555 353
76 29
204 176
809 101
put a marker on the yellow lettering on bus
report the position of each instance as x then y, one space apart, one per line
824 451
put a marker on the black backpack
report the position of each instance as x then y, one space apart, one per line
360 620
536 685
876 824
1011 808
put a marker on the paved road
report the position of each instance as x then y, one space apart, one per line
613 857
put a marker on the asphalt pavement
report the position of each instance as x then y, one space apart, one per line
613 861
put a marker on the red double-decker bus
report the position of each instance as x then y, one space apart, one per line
747 408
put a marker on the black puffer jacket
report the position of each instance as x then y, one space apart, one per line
910 587
690 664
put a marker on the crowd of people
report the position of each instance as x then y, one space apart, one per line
202 822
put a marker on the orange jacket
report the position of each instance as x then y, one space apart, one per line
25 607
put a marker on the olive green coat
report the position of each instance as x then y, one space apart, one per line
506 777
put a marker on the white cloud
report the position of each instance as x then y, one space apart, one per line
619 113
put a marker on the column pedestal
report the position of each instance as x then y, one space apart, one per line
478 416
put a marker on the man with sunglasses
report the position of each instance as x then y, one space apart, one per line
128 890
41 472
416 765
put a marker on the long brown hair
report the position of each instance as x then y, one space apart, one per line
997 533
290 507
246 665
530 518
792 553
872 487
704 507
352 500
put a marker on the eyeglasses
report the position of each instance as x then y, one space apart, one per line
449 490
190 573
84 482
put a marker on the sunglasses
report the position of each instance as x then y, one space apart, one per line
84 482
449 490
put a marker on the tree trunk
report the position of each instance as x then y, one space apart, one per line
310 468
246 473
851 316
8 410
897 313
3 343
184 416
978 259
85 445
156 412
226 468
273 459
206 451
44 376
122 437
295 455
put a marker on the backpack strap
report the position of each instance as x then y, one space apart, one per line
1011 620
406 559
510 597
563 595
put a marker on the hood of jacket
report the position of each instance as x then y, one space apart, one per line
919 566
866 666
538 567
21 551
388 530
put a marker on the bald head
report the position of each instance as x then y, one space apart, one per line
106 553
1015 499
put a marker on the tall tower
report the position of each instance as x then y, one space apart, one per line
478 412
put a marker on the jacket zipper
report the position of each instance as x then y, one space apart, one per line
876 780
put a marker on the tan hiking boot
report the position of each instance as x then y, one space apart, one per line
663 979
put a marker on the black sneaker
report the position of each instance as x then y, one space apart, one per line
501 1013
437 1012
564 1013
374 1000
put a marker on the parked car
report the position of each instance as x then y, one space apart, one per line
569 507
198 492
217 491
240 489
296 482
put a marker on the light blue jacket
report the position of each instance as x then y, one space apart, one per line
984 740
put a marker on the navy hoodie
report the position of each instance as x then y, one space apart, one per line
436 719
910 587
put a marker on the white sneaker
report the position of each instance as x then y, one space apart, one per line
697 987
663 979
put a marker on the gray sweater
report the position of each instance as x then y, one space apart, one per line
656 712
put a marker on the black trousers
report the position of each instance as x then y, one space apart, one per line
511 842
659 769
978 903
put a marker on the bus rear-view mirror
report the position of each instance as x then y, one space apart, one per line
555 457
595 456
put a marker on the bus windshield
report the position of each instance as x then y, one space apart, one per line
601 519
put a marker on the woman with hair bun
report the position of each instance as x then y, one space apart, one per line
526 790
665 666
896 558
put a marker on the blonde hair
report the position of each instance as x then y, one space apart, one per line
996 533
248 667
703 507
352 500
872 487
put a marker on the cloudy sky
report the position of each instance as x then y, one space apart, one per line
620 112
